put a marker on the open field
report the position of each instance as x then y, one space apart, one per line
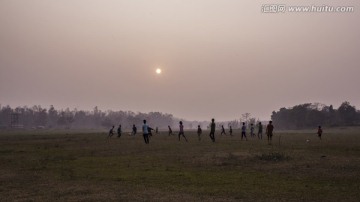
75 166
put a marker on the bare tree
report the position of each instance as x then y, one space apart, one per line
245 117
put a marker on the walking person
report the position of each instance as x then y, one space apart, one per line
111 132
243 131
145 130
222 130
252 134
181 132
230 131
260 131
134 130
199 131
170 131
119 131
212 130
269 131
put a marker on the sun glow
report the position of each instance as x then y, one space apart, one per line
158 71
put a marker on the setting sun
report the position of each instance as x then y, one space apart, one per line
158 71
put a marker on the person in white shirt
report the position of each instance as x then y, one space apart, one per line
145 129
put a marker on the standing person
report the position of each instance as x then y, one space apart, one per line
243 131
134 130
269 131
111 132
212 130
119 131
222 130
230 131
260 131
319 132
170 131
252 134
145 129
181 132
156 130
199 131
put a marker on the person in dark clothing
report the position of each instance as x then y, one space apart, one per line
319 132
111 132
269 131
222 130
134 130
170 131
230 131
119 131
199 131
260 131
212 130
181 132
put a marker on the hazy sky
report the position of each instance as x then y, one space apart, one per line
219 58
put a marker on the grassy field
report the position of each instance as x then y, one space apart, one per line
76 166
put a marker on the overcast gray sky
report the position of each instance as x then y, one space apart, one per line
219 58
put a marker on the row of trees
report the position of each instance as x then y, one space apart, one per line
310 115
37 116
306 115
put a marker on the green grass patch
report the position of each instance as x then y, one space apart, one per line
76 166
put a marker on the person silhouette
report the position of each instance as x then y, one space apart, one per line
170 131
260 131
145 129
222 130
181 132
320 131
111 132
199 131
212 130
230 131
252 134
269 131
119 131
134 130
243 131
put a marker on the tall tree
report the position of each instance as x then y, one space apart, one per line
347 114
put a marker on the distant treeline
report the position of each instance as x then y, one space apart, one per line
38 117
302 116
311 115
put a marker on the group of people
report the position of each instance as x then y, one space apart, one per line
269 131
146 129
